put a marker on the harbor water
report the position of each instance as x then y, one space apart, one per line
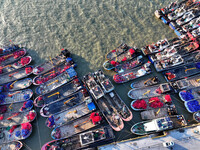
89 29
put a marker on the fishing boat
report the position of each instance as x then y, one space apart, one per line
56 82
16 107
188 16
15 145
9 48
190 94
61 92
176 60
171 62
157 47
169 52
158 125
65 103
15 133
50 64
132 74
151 103
10 58
144 83
186 83
159 112
63 117
87 139
16 96
103 81
196 116
121 59
109 112
16 65
115 101
193 24
42 78
92 85
118 51
128 65
18 74
82 124
151 91
17 85
182 72
192 106
17 118
171 8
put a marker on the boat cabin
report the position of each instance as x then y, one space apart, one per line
164 88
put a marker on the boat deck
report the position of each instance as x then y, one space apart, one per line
71 114
154 113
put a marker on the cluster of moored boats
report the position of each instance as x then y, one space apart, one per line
76 109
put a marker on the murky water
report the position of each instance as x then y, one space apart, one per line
89 29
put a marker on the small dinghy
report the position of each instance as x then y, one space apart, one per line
151 91
104 81
190 94
10 58
135 62
92 85
121 59
196 116
71 114
192 106
158 125
159 112
84 123
16 96
15 133
15 145
144 83
64 103
58 93
42 78
56 82
132 74
169 52
17 85
50 64
118 51
16 107
9 48
18 74
186 83
151 103
182 72
17 118
83 140
14 66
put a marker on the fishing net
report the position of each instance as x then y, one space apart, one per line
18 133
31 115
187 95
168 98
2 98
26 96
198 65
140 104
27 104
18 54
1 116
24 60
25 132
50 122
28 70
155 102
193 106
132 51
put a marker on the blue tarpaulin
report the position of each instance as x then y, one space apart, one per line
71 72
